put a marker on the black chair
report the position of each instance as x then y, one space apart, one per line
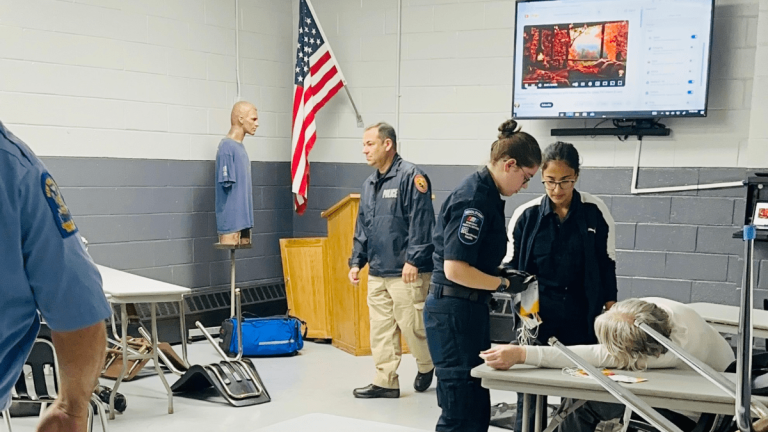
44 370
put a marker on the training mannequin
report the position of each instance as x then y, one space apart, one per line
234 191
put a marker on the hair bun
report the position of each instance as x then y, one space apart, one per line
508 128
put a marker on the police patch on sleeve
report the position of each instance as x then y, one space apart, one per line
421 183
61 215
471 223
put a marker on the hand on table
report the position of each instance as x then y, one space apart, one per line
503 357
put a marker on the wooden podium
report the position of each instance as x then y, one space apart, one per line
349 313
317 286
306 279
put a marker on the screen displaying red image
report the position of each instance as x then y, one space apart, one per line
618 59
762 213
563 55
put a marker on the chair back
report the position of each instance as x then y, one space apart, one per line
43 363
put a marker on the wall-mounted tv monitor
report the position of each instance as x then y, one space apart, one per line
618 59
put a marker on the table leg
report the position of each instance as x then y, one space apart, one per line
7 418
124 344
537 415
526 415
155 359
627 417
183 323
232 283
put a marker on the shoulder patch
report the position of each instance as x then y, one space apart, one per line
421 183
61 215
471 224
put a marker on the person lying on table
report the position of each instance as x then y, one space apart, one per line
625 346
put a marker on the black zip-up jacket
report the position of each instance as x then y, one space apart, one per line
598 231
395 221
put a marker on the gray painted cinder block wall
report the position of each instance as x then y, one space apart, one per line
676 245
156 218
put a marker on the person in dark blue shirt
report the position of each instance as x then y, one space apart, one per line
567 239
470 242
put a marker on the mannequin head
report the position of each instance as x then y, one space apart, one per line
244 119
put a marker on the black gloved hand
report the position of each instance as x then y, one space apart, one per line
518 280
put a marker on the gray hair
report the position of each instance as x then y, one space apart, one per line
386 131
627 343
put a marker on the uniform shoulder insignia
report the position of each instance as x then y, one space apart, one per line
471 224
61 215
421 183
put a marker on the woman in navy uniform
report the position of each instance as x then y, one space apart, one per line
470 242
567 239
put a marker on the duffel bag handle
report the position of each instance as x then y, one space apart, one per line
304 323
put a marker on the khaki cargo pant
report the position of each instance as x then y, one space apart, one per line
397 307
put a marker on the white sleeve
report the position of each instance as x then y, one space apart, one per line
511 228
664 361
551 357
511 239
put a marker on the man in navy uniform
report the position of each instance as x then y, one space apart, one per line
46 269
393 235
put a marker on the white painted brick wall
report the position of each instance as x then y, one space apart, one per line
143 78
456 85
162 72
757 146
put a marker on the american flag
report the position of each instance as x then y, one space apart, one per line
317 79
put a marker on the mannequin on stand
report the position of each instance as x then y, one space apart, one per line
234 197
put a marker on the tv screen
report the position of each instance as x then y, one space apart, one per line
612 58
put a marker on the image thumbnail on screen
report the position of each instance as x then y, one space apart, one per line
575 54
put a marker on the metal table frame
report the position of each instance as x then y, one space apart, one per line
167 293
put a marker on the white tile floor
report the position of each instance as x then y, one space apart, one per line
319 380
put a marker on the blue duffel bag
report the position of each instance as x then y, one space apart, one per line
272 336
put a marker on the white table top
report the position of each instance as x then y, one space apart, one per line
729 315
330 423
676 389
123 287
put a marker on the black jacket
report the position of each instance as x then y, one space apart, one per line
599 233
395 221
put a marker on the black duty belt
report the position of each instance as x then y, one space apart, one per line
470 294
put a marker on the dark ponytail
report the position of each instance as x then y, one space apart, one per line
561 151
517 145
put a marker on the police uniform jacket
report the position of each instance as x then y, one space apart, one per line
43 262
394 221
598 233
470 228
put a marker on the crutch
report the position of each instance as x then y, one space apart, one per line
623 395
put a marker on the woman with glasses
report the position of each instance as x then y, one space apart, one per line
567 239
470 241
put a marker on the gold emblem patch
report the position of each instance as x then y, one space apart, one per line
421 183
61 214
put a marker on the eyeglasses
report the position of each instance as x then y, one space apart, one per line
526 178
564 184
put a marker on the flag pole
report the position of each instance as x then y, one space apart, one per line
360 123
359 117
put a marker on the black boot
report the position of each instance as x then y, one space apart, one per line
423 380
374 391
